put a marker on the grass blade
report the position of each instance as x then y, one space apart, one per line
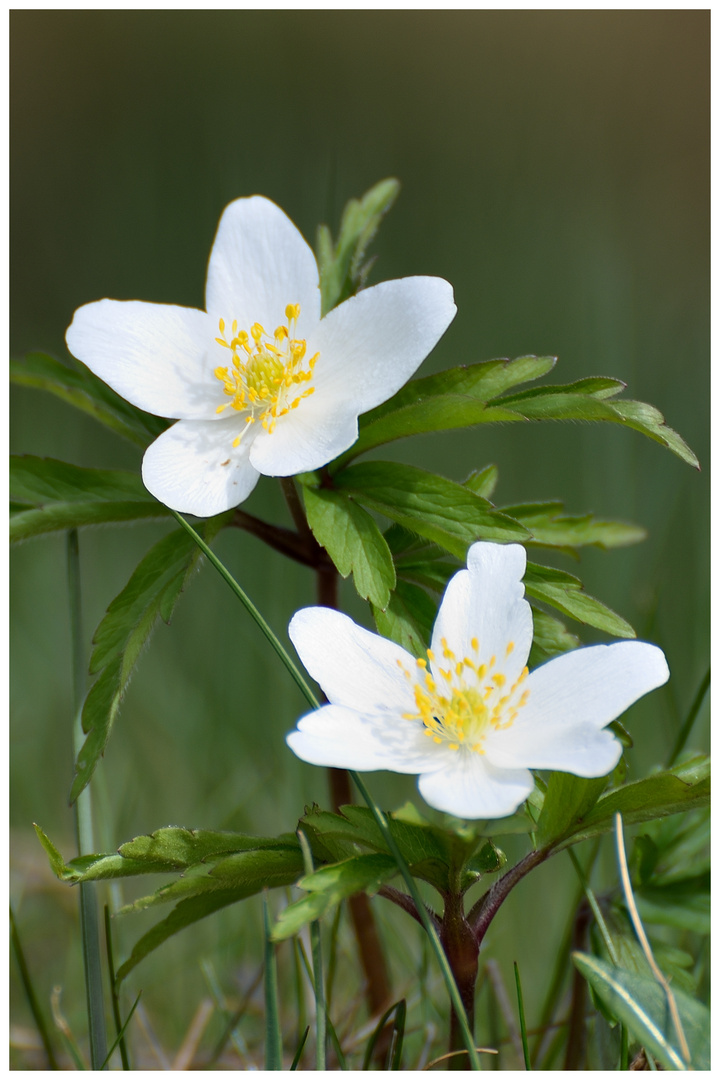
273 1038
400 1010
119 1027
318 983
30 993
684 732
521 1014
120 1039
298 1052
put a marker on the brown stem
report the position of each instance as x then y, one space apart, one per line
302 550
577 1035
296 508
483 912
461 948
407 904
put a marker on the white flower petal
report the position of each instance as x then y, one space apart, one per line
486 602
193 468
154 355
469 786
373 342
347 739
306 438
259 264
355 668
571 698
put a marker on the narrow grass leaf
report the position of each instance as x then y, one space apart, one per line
114 996
273 1037
400 1010
298 1052
29 989
119 1040
521 1015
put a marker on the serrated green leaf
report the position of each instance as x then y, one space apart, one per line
342 269
353 542
684 787
330 885
641 1005
185 914
483 481
565 403
408 618
565 592
50 495
57 863
451 399
151 592
179 848
438 509
567 801
78 386
261 868
550 527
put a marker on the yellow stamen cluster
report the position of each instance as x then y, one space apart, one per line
471 699
266 375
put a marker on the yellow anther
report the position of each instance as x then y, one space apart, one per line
475 644
431 655
459 668
499 680
437 739
236 443
221 326
453 746
420 662
492 661
510 647
292 311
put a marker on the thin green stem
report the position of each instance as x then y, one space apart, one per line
30 993
114 997
377 813
225 574
273 1037
684 732
318 980
595 907
89 922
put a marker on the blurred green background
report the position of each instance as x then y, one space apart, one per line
555 170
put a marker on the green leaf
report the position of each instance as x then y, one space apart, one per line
50 495
565 592
179 848
640 1003
451 399
550 527
684 787
332 884
438 509
550 638
483 481
353 542
151 593
77 386
567 801
342 268
273 1028
565 403
185 914
408 618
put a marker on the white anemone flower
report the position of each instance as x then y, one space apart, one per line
259 382
470 719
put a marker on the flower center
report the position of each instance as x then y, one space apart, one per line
267 374
460 702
